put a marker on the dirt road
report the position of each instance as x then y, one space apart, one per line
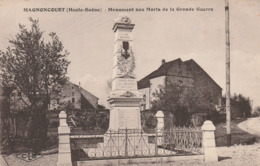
252 126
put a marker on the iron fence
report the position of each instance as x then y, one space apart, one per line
126 143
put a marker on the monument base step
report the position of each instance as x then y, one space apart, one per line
160 160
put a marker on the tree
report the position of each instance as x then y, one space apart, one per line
256 112
38 70
148 120
178 101
181 104
102 121
240 106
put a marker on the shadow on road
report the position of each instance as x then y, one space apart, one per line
223 158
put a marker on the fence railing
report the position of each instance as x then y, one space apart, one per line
126 143
183 139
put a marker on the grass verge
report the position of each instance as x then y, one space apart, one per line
238 136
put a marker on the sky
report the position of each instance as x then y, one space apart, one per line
198 35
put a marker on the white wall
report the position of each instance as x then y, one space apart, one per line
146 92
154 85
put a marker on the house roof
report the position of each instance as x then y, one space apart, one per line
86 94
163 71
191 61
84 91
85 103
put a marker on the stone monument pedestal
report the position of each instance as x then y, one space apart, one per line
125 110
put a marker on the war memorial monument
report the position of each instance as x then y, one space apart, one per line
124 100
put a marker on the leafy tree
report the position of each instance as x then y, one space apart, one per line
175 100
37 68
240 106
179 103
103 121
148 120
256 112
151 121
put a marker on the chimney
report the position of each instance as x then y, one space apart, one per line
163 61
79 86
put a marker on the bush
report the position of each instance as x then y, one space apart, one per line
197 119
88 121
103 121
256 112
215 117
151 121
182 116
148 120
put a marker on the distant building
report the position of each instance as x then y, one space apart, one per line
182 73
76 96
71 93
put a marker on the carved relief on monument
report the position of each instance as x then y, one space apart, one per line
128 94
126 61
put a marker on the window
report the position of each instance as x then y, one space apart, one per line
73 93
72 87
73 100
19 94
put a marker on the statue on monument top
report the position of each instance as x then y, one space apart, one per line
123 19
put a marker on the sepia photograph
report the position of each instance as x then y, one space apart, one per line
129 82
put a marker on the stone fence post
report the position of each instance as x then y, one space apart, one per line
160 120
64 154
208 141
160 126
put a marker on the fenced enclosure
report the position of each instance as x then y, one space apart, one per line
132 144
127 143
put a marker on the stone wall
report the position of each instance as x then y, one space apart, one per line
204 86
180 80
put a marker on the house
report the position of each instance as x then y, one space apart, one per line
183 73
78 97
73 94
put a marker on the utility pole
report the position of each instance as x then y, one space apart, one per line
228 112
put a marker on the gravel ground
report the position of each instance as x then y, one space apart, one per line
46 160
248 155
